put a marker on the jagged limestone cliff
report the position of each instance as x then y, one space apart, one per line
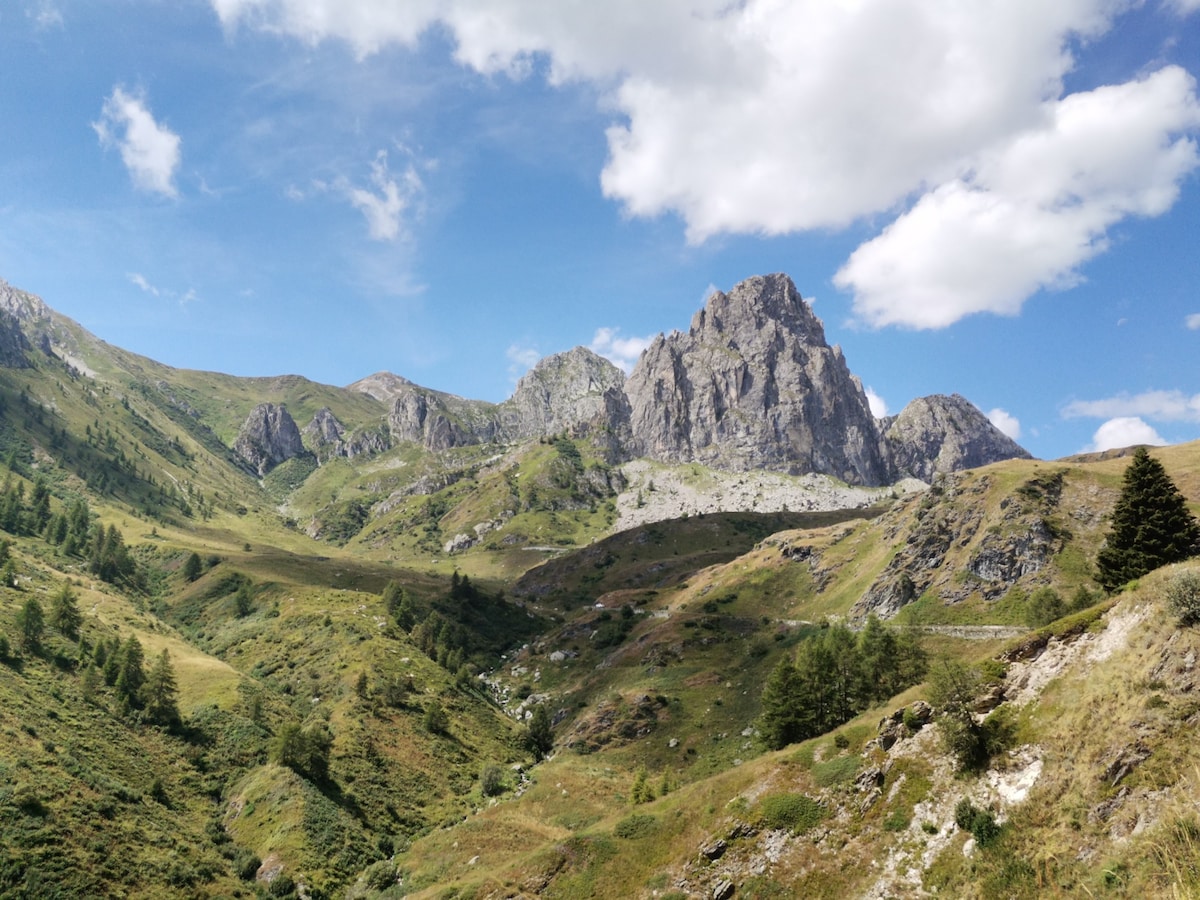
753 384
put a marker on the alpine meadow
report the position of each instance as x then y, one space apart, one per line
270 637
689 450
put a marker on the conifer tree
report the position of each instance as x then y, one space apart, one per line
160 692
131 672
193 568
32 623
64 613
1151 525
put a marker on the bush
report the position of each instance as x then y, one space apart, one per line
491 780
246 864
1183 597
980 822
1043 607
795 812
635 826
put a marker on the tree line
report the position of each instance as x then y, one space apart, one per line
835 675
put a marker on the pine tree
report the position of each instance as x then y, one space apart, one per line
780 722
243 601
31 622
131 672
641 792
193 567
64 614
160 692
1151 525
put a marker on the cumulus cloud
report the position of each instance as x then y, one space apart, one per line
150 151
1033 210
879 407
1006 422
389 197
949 120
1124 431
1163 406
1193 321
623 352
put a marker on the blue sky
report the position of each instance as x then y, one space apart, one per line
999 199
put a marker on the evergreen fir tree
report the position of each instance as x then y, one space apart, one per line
64 613
780 722
193 568
131 672
31 622
1151 525
160 692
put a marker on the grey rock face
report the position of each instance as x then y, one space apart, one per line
753 384
13 343
324 429
440 421
267 438
578 391
939 433
328 438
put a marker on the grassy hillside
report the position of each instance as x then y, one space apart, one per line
366 654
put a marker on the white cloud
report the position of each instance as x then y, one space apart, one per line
140 280
1193 321
521 360
1034 210
1006 422
1163 406
1183 7
45 15
879 407
770 117
150 151
1123 432
623 352
391 197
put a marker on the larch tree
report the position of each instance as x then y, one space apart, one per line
160 692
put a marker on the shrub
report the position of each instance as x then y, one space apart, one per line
246 864
1183 597
635 826
1043 607
795 812
491 780
980 822
897 820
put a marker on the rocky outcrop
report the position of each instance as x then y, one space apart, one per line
578 392
267 438
328 438
440 421
13 343
939 433
753 384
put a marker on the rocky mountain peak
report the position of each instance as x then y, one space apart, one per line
23 306
753 384
940 433
382 386
565 392
268 437
761 303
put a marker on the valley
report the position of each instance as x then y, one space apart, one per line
425 646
